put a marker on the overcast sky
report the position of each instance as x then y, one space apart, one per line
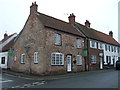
102 14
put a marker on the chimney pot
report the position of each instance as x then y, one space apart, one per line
111 33
5 35
71 19
33 8
87 24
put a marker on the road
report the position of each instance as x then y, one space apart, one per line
94 79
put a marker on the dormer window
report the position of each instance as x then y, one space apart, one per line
58 40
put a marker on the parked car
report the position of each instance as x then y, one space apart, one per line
118 65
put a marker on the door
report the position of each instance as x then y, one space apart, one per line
101 63
69 63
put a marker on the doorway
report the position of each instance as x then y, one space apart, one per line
69 63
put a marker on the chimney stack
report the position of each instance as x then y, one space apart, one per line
87 24
111 33
5 35
33 8
71 19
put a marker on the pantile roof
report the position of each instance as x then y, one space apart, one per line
57 24
96 35
8 45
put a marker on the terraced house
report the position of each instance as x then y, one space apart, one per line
103 49
47 45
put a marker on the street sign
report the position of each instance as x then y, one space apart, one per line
10 52
85 53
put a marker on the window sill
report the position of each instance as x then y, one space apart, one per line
57 65
22 63
57 45
79 65
35 63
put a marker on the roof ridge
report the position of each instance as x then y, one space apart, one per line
4 39
54 18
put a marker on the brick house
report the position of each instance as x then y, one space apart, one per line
47 45
5 45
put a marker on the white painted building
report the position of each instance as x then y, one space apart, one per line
5 45
111 52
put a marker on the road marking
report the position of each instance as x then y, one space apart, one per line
30 85
5 80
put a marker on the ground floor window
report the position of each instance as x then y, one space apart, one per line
3 60
36 57
93 59
57 59
79 60
108 59
22 58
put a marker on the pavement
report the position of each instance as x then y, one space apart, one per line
46 77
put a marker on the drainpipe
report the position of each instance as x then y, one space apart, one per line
88 54
86 57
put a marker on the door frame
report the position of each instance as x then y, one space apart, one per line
69 67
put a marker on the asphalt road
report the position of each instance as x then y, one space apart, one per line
94 79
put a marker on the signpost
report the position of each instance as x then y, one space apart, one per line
10 52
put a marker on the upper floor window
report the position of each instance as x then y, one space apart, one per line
109 47
114 49
79 60
106 47
93 44
101 46
118 49
36 57
23 58
78 42
58 40
57 59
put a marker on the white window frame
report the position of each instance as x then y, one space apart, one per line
58 39
78 60
100 46
78 43
23 58
54 60
35 57
15 58
93 44
3 60
93 59
106 47
114 49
